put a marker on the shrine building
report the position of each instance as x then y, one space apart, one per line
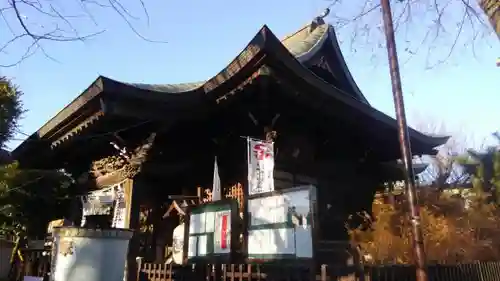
158 141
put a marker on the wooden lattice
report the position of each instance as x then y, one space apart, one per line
235 191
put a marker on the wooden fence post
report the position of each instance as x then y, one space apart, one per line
139 268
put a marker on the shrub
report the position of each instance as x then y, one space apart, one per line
452 233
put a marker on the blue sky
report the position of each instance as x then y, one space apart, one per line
203 36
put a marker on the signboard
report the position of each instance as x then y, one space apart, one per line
120 207
212 232
281 225
260 166
103 201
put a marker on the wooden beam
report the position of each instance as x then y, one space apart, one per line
74 127
165 169
492 10
141 110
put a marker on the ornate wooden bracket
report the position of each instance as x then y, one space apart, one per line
115 168
270 134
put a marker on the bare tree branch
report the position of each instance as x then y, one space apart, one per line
32 22
422 25
443 170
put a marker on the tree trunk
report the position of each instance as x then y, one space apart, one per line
492 9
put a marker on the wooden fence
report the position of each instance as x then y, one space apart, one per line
484 271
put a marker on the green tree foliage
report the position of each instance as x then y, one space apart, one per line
10 109
28 198
485 170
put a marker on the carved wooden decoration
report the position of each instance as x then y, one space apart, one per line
119 167
107 165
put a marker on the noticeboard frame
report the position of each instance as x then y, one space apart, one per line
279 259
232 205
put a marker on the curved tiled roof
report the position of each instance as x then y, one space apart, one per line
306 40
297 57
169 88
304 44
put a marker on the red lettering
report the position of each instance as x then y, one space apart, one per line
262 151
223 234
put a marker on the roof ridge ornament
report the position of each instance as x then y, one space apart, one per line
325 13
319 20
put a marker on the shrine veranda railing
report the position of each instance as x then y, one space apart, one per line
480 271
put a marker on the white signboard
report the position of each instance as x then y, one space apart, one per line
280 225
209 231
101 202
260 166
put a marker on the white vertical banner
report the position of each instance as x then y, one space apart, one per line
260 166
216 186
120 207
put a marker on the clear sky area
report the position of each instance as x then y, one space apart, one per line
459 96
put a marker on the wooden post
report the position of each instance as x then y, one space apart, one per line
139 266
132 200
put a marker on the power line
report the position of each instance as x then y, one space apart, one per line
38 179
21 132
24 184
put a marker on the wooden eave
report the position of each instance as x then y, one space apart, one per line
104 97
265 43
71 109
397 169
5 157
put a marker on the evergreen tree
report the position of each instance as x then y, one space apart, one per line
10 110
484 168
29 199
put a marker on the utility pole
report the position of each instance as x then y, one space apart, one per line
404 141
